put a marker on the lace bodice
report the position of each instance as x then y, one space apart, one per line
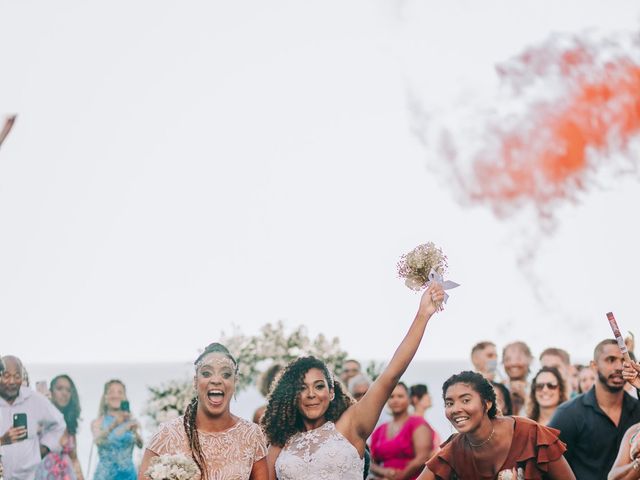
319 454
230 454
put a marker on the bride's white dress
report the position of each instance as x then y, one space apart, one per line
319 454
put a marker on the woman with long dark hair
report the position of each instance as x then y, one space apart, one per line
223 446
489 446
63 465
548 391
314 427
115 432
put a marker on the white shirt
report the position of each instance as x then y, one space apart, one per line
45 426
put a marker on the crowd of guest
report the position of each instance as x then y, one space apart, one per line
561 421
39 428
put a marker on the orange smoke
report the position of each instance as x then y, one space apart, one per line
580 105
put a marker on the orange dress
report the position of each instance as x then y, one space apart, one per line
533 447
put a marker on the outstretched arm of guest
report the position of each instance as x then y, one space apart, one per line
367 411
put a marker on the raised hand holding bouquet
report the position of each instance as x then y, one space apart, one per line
424 265
172 467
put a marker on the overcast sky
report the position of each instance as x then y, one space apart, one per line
180 167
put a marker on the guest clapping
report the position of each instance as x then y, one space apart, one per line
115 432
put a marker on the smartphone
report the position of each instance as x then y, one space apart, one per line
20 420
124 406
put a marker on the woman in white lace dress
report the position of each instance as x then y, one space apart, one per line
314 428
224 447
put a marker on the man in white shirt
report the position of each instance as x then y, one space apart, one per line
22 449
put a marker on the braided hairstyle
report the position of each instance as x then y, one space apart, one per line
282 418
478 383
189 420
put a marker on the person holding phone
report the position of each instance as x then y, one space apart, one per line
116 433
30 426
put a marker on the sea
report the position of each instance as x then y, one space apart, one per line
138 377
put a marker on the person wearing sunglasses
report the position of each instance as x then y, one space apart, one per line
548 391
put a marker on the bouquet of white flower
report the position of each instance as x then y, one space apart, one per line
423 265
168 401
172 467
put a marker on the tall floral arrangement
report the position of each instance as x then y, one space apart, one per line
274 345
168 401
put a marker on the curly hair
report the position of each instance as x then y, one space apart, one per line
71 411
282 418
479 384
533 409
189 419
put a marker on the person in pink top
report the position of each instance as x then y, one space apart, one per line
400 448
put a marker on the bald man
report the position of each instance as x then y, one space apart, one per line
23 448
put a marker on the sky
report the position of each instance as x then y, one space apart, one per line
181 168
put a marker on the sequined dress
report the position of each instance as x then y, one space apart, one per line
229 454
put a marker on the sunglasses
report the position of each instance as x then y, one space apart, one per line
551 386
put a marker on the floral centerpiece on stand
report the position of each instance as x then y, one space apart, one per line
168 401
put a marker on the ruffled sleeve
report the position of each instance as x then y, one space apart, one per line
441 464
538 446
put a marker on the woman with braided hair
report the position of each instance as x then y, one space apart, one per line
224 447
315 429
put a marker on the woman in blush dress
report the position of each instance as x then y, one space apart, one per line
314 427
63 465
223 446
401 447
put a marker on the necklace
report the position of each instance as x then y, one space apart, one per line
478 445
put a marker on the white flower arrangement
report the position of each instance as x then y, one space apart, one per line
168 401
273 345
172 467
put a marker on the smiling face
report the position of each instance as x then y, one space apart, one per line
608 368
315 395
61 392
114 396
547 390
399 400
516 363
11 379
464 407
215 384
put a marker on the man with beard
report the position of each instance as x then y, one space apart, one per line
593 424
23 448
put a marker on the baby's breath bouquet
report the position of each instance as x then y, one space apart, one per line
424 264
172 467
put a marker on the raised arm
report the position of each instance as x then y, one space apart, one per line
366 412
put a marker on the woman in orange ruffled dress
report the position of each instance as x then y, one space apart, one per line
488 446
